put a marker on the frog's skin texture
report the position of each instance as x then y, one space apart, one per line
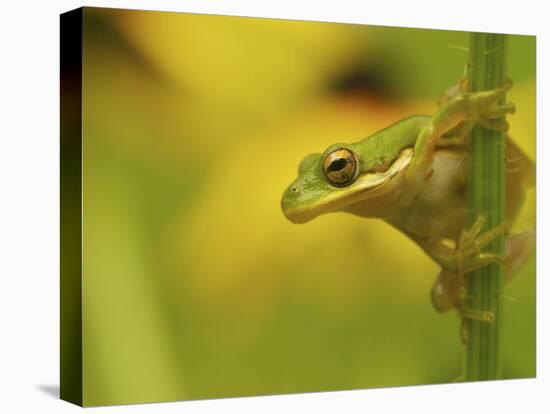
412 174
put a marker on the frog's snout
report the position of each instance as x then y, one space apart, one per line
290 203
287 201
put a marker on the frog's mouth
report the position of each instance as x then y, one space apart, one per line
367 186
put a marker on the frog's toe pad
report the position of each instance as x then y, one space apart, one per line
500 125
477 315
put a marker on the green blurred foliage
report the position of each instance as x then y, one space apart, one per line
195 285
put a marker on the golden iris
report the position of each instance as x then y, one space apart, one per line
340 167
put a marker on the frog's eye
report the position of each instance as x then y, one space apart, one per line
340 167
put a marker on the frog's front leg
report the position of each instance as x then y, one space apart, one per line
466 256
448 291
479 107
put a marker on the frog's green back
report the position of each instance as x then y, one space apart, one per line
381 148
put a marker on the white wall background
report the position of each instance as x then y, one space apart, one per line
29 207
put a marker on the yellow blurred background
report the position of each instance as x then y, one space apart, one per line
195 285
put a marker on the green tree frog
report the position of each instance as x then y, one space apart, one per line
412 174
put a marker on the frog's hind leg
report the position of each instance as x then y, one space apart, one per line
520 176
519 247
446 291
449 289
449 292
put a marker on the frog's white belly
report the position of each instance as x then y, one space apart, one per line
439 209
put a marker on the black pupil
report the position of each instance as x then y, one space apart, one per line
337 165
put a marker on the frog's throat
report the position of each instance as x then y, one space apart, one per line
367 186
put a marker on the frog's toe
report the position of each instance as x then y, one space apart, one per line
476 315
483 259
487 104
494 94
499 110
508 83
487 237
469 253
467 313
500 125
469 235
501 90
463 84
509 108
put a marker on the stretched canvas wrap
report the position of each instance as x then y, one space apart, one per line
256 206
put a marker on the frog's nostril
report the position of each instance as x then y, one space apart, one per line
294 189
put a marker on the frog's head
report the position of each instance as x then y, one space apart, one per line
361 178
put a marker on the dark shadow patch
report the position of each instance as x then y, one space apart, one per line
49 389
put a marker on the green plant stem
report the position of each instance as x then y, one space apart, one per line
486 197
